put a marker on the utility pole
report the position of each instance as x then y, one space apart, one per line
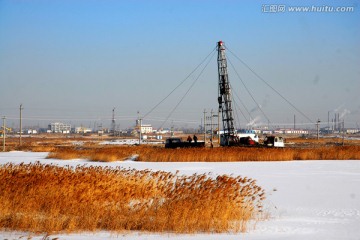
204 126
113 122
317 128
172 129
100 130
4 132
294 121
343 132
211 124
21 108
139 122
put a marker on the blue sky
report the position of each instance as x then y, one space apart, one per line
73 61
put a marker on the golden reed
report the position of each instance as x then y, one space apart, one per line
232 154
47 198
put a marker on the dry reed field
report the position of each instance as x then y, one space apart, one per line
234 154
223 154
40 144
95 153
297 149
47 198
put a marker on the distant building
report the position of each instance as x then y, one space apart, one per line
43 130
279 131
82 130
352 130
257 131
296 131
163 131
267 132
326 130
59 127
290 131
31 131
144 128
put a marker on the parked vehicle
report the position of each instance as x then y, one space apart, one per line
248 141
178 143
274 141
247 133
239 138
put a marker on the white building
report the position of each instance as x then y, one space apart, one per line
31 131
352 130
291 131
296 131
267 132
59 127
163 131
145 128
83 130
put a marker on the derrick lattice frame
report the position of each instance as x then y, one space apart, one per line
224 97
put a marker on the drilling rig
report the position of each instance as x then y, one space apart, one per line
224 98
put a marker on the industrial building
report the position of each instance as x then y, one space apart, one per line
58 127
144 128
82 130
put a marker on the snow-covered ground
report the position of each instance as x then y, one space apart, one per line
306 199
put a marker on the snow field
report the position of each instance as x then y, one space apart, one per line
305 199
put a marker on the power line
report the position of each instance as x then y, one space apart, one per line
259 77
236 113
242 113
188 90
252 97
241 102
186 78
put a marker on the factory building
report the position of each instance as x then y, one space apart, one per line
58 127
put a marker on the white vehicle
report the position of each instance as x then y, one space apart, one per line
247 133
241 134
273 141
